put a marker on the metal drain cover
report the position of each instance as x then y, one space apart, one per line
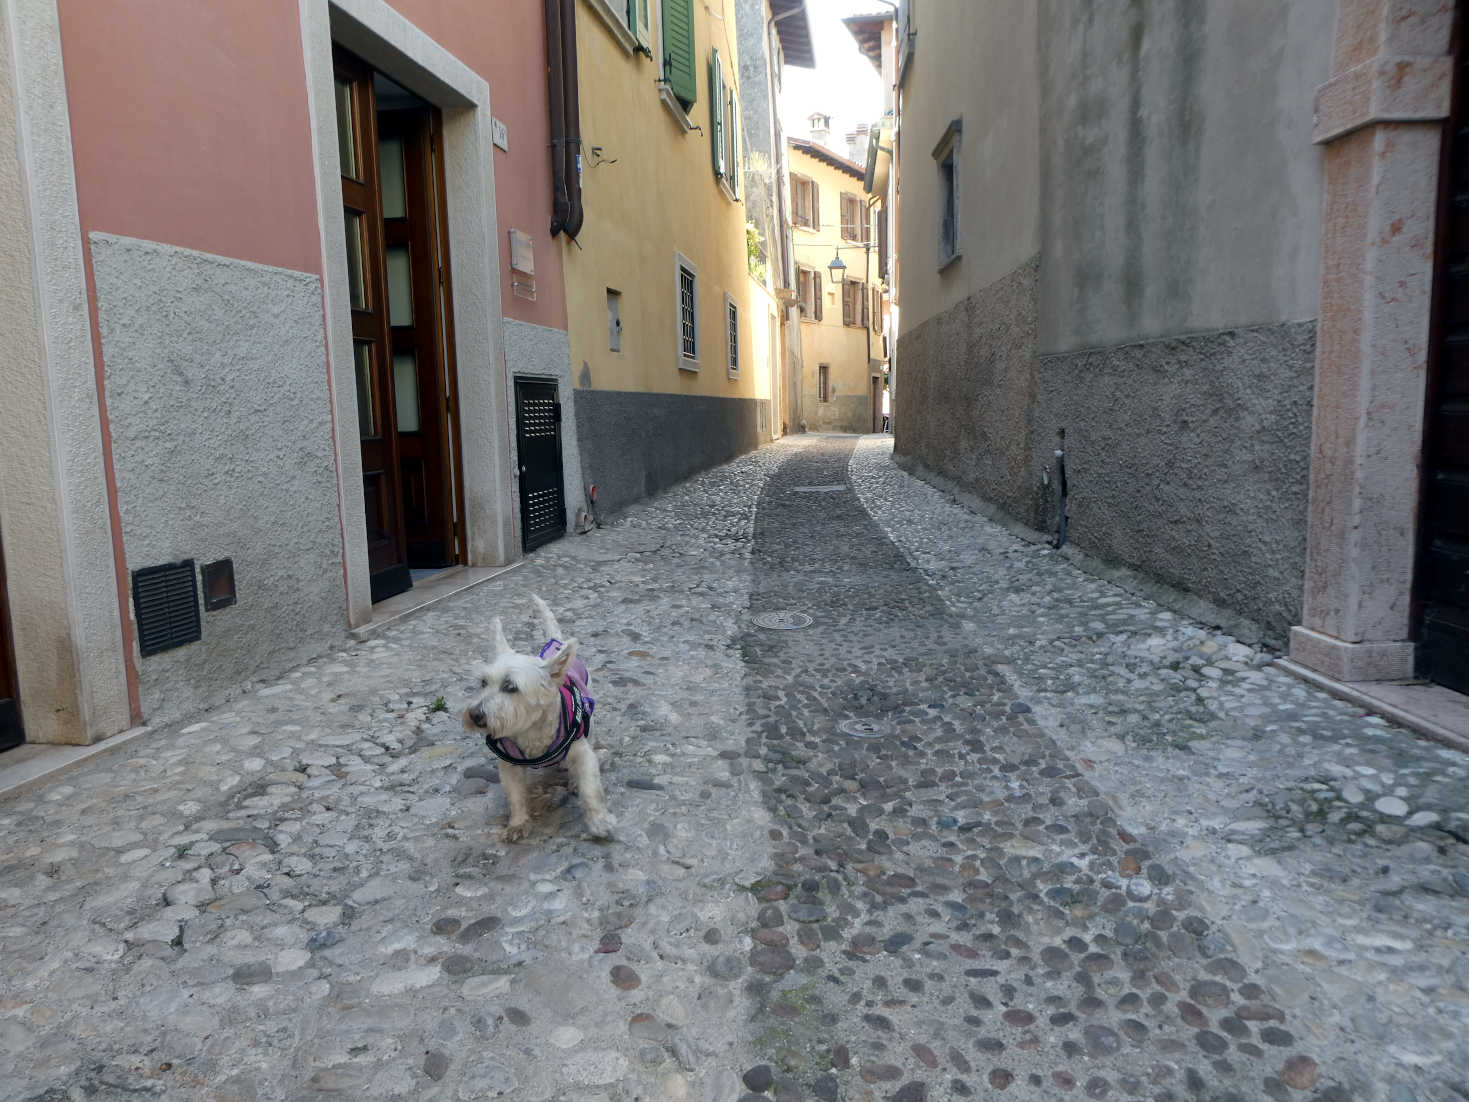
830 488
864 728
783 620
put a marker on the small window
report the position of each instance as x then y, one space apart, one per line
823 383
946 154
808 285
854 304
688 313
877 309
805 209
856 223
614 320
732 336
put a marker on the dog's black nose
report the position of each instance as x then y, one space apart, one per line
477 716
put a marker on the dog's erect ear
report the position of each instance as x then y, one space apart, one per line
498 645
560 662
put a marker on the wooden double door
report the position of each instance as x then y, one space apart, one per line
391 150
11 731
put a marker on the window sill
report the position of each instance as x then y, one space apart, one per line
945 263
728 191
807 229
625 38
685 364
670 101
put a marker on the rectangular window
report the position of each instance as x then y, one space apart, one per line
686 279
804 206
946 155
877 309
823 383
854 303
732 336
808 284
855 220
614 320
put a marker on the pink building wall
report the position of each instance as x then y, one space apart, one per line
190 126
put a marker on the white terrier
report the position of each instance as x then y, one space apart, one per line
536 712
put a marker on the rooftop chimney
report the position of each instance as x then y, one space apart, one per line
857 144
820 127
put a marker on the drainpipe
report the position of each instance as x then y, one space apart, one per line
555 89
571 96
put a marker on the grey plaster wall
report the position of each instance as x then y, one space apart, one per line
634 444
964 406
843 413
216 383
1188 458
1180 191
540 352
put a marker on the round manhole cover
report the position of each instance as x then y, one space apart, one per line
863 728
783 620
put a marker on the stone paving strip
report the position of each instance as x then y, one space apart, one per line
962 821
1329 848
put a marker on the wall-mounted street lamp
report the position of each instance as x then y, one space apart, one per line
837 269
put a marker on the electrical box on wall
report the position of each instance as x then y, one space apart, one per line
522 264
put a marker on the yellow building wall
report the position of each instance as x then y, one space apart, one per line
650 192
843 348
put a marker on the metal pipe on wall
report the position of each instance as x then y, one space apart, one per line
556 89
571 98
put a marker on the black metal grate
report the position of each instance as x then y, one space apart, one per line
166 604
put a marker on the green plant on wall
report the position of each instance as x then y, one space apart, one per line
755 252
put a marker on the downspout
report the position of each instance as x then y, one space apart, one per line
571 98
555 89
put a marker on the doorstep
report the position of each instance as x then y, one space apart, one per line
1430 710
425 594
33 763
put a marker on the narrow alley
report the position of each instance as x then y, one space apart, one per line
908 808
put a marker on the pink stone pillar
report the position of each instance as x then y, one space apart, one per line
1379 119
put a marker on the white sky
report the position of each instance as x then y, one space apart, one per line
844 84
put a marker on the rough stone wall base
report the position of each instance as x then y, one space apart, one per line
635 444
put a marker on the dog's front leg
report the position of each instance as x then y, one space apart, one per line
512 780
582 764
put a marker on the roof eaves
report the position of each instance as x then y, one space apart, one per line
794 29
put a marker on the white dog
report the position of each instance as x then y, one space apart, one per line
536 712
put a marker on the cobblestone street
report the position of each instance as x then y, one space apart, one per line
957 819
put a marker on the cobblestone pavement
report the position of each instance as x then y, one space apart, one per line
986 824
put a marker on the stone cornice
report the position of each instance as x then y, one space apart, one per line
1385 89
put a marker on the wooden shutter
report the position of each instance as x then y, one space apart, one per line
678 51
876 318
717 121
882 244
849 232
815 206
816 279
732 121
847 303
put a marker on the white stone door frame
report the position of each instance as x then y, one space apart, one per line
391 44
57 508
1380 121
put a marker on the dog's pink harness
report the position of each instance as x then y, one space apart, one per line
575 720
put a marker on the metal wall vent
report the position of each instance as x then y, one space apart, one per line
166 604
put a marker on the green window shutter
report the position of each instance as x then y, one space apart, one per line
637 11
678 51
716 114
732 120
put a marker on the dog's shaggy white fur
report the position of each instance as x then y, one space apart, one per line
520 699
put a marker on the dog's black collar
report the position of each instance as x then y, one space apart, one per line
575 722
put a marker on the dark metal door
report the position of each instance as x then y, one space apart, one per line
11 732
1443 564
538 442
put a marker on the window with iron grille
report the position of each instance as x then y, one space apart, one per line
946 155
732 336
856 225
688 314
854 304
823 383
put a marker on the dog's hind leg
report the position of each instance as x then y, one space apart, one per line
549 627
581 762
512 780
